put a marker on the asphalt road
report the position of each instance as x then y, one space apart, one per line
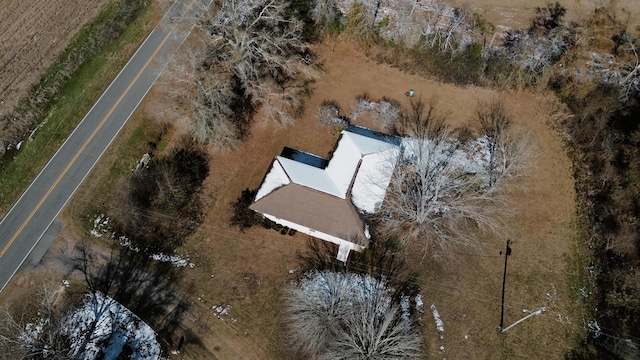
35 211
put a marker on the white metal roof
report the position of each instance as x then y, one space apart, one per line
374 159
343 164
372 179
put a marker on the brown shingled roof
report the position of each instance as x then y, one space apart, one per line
314 209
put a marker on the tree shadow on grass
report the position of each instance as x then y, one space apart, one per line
143 285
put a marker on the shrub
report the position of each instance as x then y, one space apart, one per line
328 112
243 217
387 113
361 104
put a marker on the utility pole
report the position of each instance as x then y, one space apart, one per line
504 280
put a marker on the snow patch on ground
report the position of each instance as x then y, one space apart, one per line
419 304
175 260
32 332
222 313
405 306
436 317
101 228
439 324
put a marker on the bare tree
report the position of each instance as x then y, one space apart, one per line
404 25
621 68
436 196
535 52
248 55
325 13
35 336
348 316
630 81
312 317
509 153
256 42
361 104
387 112
328 112
544 43
360 23
494 122
548 18
447 28
374 331
197 95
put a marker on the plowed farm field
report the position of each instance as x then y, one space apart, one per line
32 33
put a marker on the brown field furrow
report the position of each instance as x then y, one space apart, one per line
32 33
20 24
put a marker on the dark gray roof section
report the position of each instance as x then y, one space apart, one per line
374 134
304 157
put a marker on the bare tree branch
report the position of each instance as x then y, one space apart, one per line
249 54
436 196
40 335
349 316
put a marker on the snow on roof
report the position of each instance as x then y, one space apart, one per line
275 178
368 144
372 180
116 326
344 163
309 176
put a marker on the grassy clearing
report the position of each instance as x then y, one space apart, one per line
249 271
70 104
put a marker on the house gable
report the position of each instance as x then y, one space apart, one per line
275 178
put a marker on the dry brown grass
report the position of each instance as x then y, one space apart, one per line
248 271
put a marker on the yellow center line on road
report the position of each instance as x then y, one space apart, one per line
86 143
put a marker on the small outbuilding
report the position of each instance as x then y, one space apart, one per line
325 198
